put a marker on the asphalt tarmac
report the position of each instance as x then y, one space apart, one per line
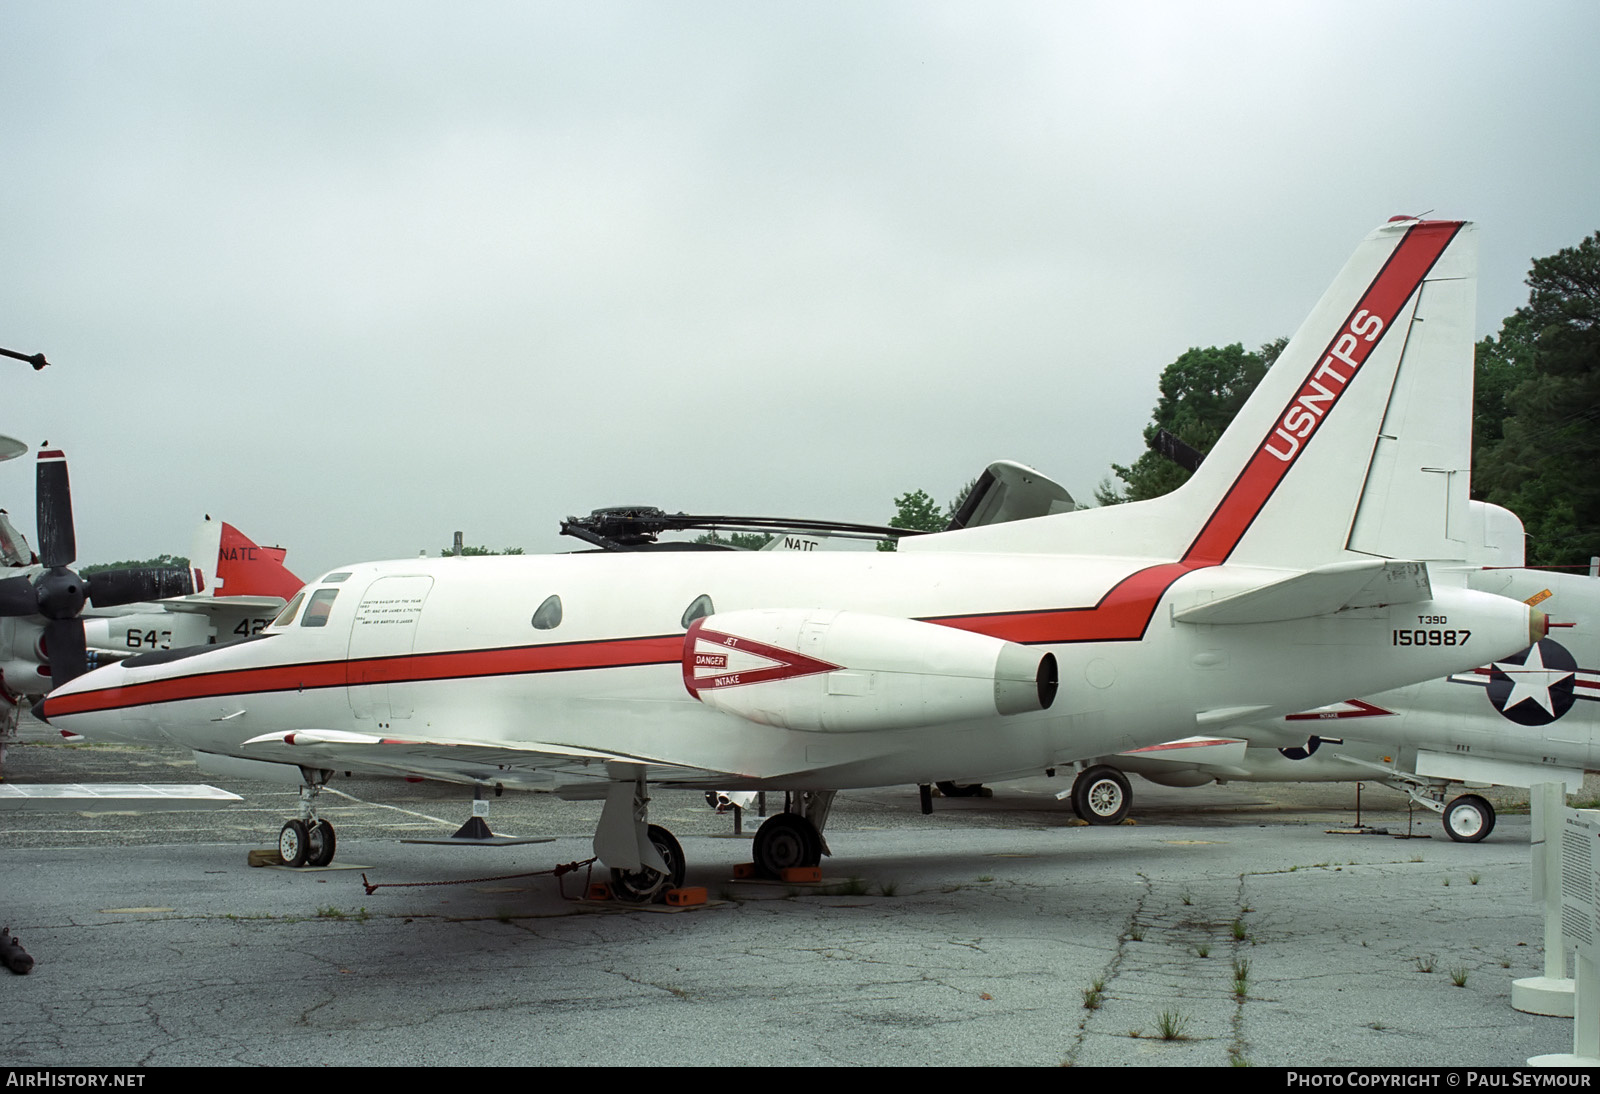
1226 925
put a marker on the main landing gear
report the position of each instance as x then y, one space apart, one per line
793 838
308 840
646 861
1467 818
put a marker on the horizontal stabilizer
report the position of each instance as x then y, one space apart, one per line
112 797
1367 583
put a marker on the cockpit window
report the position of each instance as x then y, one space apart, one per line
286 616
698 608
317 610
548 617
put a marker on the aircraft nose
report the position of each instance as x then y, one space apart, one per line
40 710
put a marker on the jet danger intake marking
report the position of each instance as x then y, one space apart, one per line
714 660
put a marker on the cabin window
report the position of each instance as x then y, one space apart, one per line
286 616
317 610
548 617
699 608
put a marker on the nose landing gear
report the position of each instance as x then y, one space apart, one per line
308 840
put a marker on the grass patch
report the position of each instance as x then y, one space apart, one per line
1171 1025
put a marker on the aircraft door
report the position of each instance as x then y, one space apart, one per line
381 639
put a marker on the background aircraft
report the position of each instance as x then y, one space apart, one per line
1005 649
55 624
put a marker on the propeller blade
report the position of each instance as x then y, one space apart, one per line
58 543
17 597
108 588
64 644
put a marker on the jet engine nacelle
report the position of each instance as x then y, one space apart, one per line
851 672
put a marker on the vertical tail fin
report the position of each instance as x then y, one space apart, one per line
225 562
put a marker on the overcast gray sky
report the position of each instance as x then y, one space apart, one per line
355 275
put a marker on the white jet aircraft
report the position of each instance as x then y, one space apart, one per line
1000 650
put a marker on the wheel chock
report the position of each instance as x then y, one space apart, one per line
265 857
800 874
598 890
686 897
744 871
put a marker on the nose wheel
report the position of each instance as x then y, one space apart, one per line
307 840
292 843
1468 818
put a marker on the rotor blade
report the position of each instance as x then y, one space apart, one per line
58 544
17 597
64 645
108 588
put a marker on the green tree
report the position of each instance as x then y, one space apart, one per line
916 510
744 541
176 562
1200 394
475 552
1544 368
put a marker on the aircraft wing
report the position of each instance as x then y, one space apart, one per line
544 766
1363 584
221 604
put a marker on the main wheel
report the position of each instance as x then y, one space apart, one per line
293 841
1468 818
786 840
644 885
320 843
1101 795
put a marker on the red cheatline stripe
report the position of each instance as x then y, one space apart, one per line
455 665
1122 614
